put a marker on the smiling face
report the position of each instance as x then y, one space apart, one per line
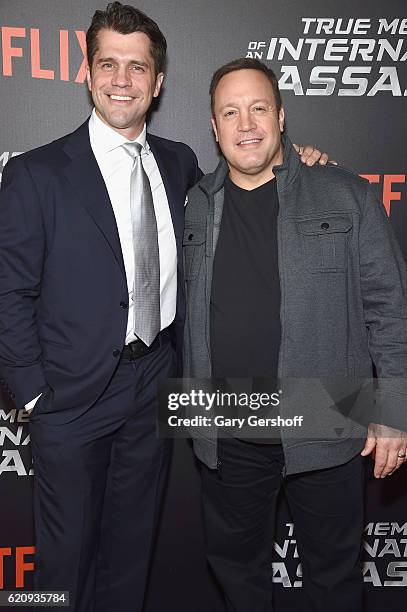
248 126
122 81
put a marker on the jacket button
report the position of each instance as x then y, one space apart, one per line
116 352
190 236
12 395
325 226
124 305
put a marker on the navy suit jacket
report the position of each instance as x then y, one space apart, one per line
63 291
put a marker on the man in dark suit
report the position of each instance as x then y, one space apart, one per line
91 313
71 324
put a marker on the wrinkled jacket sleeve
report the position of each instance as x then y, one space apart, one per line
384 293
21 261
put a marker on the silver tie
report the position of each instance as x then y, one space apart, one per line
146 288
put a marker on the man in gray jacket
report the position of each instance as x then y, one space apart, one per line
292 275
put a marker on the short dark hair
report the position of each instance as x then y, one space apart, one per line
244 63
126 19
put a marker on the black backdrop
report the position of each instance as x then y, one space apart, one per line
342 69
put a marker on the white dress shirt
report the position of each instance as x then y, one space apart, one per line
115 166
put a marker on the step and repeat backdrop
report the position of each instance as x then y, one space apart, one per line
343 76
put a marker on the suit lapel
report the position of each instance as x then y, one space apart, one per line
169 171
82 172
84 175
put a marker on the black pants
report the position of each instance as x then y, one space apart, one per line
239 503
99 482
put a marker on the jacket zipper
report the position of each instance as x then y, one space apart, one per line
208 276
282 309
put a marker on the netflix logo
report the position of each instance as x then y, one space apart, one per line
387 183
19 562
22 45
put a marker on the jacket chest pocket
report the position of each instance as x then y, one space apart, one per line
193 249
324 242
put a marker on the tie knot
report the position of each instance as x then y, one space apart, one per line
133 148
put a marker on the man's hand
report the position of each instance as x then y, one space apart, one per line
310 155
388 447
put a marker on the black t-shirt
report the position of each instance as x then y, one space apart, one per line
245 296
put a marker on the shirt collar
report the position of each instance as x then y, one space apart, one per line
105 139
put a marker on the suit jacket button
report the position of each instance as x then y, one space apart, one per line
12 395
116 352
124 305
325 225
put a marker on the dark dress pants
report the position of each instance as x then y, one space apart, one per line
99 481
239 505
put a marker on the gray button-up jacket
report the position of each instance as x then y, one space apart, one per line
343 308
